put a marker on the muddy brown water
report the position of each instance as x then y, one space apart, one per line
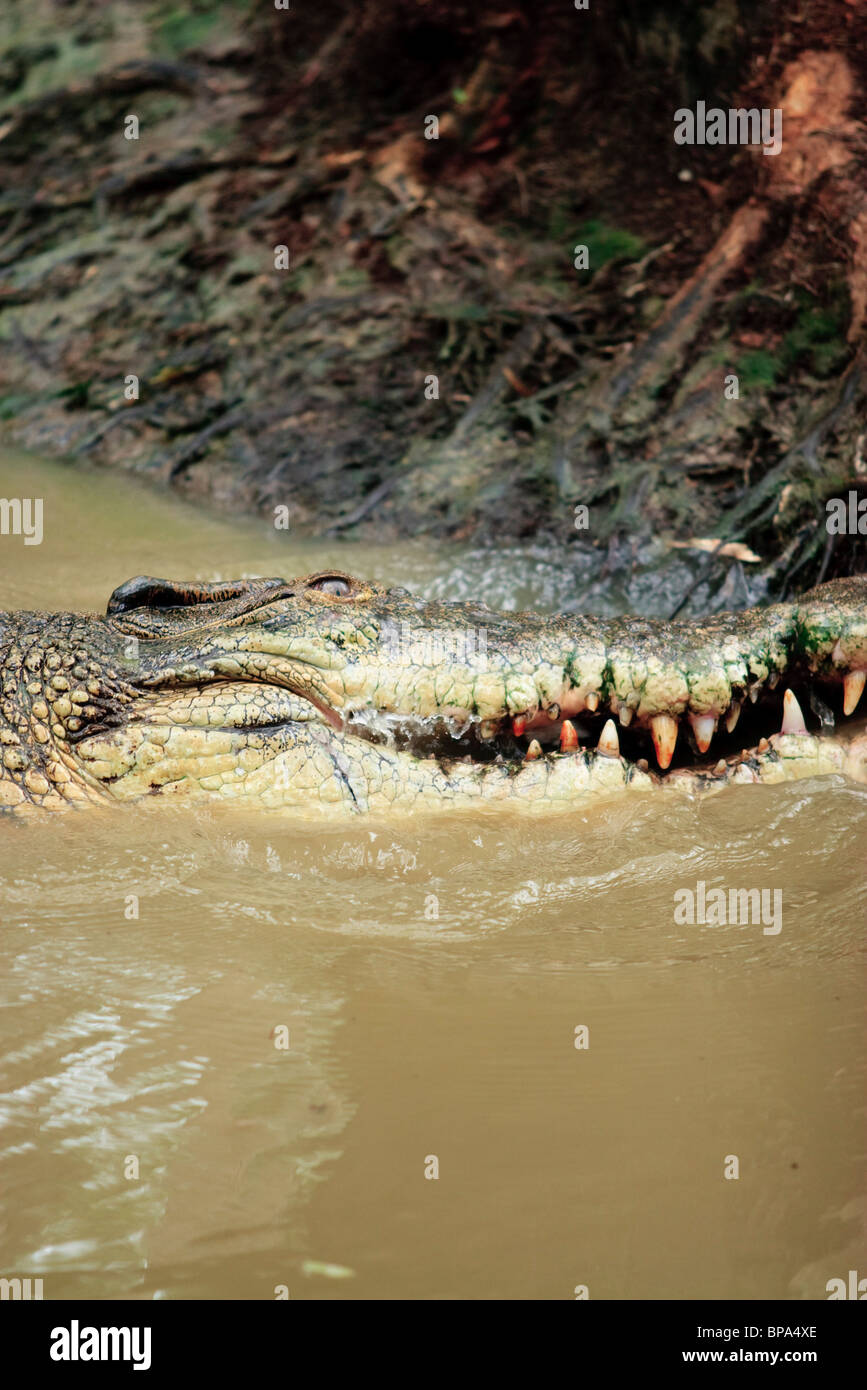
157 1140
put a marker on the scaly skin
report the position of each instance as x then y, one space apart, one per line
255 692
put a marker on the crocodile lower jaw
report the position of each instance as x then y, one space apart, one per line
309 769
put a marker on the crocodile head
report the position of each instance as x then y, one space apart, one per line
328 692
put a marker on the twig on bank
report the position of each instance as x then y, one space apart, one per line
496 384
699 579
132 412
806 448
830 546
224 424
366 505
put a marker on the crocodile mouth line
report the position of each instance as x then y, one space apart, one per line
806 705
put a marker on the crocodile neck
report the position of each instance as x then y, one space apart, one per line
48 676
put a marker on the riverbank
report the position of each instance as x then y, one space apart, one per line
283 299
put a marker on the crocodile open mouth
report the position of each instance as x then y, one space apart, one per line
458 682
807 704
328 692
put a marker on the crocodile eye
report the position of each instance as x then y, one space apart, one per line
339 587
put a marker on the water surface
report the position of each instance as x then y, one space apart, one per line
158 1141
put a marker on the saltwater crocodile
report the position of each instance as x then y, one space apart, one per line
327 693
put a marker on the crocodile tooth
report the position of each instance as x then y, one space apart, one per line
533 752
732 717
568 737
754 692
553 713
488 729
720 767
592 701
609 743
773 679
853 689
663 730
762 746
643 765
625 715
704 728
519 724
793 718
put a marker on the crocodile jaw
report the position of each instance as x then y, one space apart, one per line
307 767
281 694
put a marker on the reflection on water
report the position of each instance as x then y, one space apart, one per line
157 1139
